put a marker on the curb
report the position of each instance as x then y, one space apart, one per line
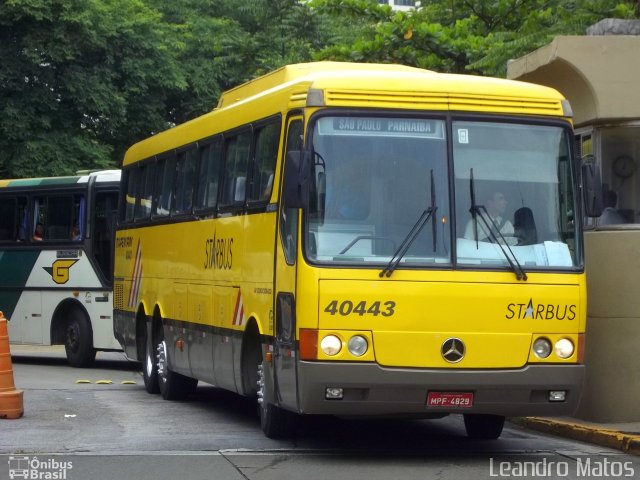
628 442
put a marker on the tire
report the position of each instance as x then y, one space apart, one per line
78 340
483 427
274 421
173 386
150 365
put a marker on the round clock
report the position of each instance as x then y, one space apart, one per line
624 166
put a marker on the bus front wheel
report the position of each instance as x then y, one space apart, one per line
274 421
484 427
78 340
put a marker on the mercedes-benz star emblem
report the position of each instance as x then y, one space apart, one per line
453 350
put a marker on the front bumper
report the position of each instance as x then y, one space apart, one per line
372 390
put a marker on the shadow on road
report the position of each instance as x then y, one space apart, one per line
101 363
366 437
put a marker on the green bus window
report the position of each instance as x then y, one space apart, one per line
54 217
22 217
8 219
104 212
267 140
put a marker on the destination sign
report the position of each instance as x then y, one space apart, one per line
397 127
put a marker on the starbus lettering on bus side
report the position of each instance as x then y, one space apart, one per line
218 253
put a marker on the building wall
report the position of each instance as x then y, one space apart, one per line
598 75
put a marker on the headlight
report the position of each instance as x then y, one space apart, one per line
331 345
564 348
357 346
542 348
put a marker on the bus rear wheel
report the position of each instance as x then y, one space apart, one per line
173 386
274 421
78 340
484 427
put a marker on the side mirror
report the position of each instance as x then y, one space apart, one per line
591 187
295 193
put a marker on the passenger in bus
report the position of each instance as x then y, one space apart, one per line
38 234
496 205
610 216
75 233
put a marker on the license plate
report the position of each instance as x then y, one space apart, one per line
450 399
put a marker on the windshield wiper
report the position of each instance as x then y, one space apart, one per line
494 231
429 212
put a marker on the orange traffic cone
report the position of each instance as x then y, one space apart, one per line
10 399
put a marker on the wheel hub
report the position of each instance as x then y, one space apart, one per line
73 337
162 360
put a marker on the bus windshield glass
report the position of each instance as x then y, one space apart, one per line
373 180
513 190
380 194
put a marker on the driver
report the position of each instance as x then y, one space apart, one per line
496 204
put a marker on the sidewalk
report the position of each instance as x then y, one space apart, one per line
621 436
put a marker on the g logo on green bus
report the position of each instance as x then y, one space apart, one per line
59 271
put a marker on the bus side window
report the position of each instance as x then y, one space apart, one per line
54 217
266 152
185 181
163 191
289 216
103 223
210 160
131 194
23 216
237 149
8 219
143 205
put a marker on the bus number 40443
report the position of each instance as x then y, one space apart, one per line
347 307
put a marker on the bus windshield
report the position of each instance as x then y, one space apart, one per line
374 177
513 189
375 180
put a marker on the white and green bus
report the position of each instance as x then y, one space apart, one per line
56 258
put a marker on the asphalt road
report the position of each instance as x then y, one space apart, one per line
100 423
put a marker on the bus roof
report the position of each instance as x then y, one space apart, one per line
365 85
82 177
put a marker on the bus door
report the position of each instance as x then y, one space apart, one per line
284 354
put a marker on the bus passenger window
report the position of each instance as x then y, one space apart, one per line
8 217
236 163
55 216
143 206
289 216
130 195
163 191
209 174
267 141
185 181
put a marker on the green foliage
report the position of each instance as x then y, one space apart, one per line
463 36
82 80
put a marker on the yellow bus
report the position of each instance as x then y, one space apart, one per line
360 240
